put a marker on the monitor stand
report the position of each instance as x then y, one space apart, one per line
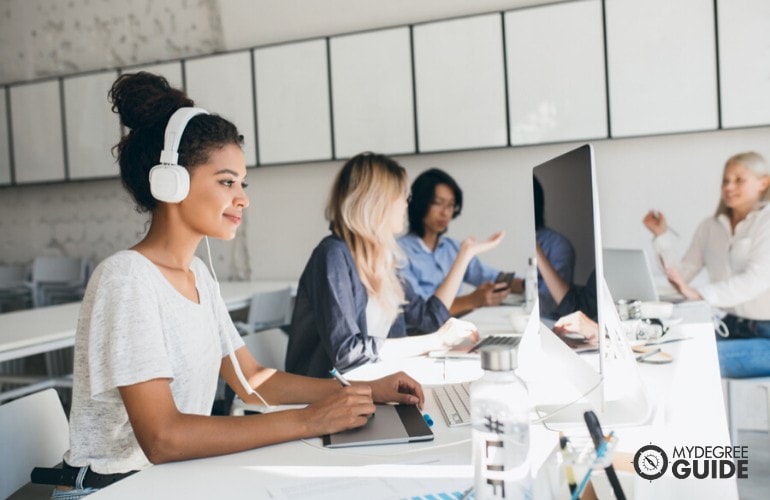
564 384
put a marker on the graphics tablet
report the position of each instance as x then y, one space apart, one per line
390 424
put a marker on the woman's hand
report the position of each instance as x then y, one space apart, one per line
656 222
577 322
397 388
348 408
472 248
455 331
681 285
490 294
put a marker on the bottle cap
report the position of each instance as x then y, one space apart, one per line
498 358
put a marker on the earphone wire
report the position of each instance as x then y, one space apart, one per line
230 351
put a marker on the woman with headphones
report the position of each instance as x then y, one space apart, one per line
154 333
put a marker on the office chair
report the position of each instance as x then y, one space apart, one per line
34 432
14 291
262 333
57 280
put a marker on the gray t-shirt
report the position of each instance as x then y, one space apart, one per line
134 326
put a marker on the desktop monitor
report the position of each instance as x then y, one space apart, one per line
607 382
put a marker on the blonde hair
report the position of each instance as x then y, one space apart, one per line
757 165
359 204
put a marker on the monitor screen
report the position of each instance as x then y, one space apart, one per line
567 231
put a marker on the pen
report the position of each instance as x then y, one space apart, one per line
595 430
342 380
563 440
657 342
584 482
648 354
668 227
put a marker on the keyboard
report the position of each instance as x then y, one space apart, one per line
454 401
497 340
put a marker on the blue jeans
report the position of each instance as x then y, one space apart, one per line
748 355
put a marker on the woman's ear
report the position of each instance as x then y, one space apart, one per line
765 183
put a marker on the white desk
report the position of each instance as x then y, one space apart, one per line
32 331
687 394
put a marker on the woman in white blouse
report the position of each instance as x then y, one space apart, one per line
734 247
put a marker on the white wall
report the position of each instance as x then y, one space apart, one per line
679 175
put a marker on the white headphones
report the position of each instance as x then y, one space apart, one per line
169 181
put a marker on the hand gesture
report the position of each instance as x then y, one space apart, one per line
397 388
474 248
681 285
455 331
656 222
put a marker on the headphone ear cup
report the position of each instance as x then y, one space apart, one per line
169 183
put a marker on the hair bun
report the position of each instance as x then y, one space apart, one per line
144 99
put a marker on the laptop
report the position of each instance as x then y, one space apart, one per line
628 275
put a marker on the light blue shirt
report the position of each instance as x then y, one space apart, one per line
560 253
425 270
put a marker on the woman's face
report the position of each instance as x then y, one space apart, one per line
217 196
741 188
440 210
397 214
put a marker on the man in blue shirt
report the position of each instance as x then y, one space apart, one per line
557 250
436 200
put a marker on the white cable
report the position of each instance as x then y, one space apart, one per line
230 351
542 418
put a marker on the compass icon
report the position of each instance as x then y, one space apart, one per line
650 462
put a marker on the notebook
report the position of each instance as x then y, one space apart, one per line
390 424
628 275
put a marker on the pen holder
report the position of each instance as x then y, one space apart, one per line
584 457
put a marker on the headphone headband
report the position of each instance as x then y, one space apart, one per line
169 181
174 130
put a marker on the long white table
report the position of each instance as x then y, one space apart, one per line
33 331
686 395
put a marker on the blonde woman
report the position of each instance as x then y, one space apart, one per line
351 306
734 248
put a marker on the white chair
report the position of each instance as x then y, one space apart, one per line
267 310
34 432
56 280
266 341
745 398
14 290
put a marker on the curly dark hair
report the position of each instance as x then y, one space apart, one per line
423 191
145 102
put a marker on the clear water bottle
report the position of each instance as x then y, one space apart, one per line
500 410
530 285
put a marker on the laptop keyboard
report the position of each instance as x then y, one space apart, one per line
497 340
454 401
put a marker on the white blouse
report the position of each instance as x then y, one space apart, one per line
738 265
